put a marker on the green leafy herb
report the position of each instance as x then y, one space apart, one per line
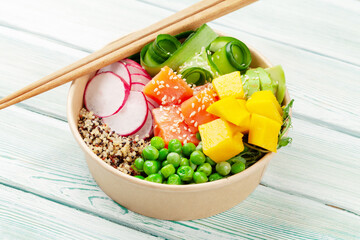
284 141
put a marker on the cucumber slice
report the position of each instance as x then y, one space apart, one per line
201 38
251 82
277 74
266 83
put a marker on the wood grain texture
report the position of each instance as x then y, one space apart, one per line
304 185
27 216
52 166
25 58
324 88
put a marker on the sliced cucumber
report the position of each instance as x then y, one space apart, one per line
266 83
251 82
277 74
203 36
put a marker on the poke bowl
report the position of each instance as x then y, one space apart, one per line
164 201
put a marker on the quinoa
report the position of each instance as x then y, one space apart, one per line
117 151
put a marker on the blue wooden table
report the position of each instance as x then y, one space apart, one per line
311 190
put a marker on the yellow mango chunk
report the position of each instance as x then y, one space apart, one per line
264 132
229 85
221 140
268 95
232 110
263 104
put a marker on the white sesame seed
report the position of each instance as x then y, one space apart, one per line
195 124
192 114
176 87
158 93
167 85
156 89
192 105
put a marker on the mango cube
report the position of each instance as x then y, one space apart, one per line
268 95
264 104
264 132
221 140
229 85
232 110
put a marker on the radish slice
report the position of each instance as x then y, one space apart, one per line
146 130
133 69
105 94
119 69
139 78
137 87
129 61
131 117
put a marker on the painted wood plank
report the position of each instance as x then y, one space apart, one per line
324 89
52 165
27 216
325 27
25 58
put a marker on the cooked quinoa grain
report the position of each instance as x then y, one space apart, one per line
117 151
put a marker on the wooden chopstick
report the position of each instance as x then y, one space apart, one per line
195 8
115 53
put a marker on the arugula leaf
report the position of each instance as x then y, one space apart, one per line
284 141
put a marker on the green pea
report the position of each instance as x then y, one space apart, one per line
199 147
164 163
139 177
139 163
223 168
155 177
174 159
150 153
185 173
197 157
200 177
157 142
188 148
214 177
174 179
175 146
167 170
184 162
163 154
151 167
205 168
237 167
198 136
210 161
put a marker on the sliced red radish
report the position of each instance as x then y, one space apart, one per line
105 94
146 130
129 61
134 69
119 69
139 78
131 117
137 87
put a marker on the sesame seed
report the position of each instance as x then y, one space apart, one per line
192 105
176 87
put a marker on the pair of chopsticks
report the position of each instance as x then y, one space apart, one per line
184 20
